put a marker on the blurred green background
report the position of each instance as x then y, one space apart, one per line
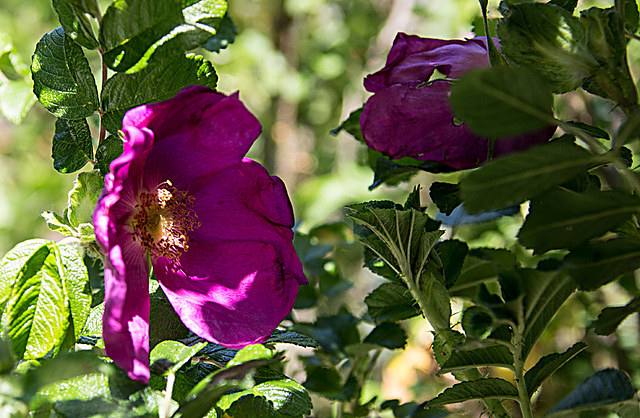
299 66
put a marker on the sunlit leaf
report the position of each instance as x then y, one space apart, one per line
132 31
62 78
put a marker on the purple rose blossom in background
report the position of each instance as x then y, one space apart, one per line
216 226
405 119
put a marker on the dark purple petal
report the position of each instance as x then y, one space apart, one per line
506 146
409 121
235 292
413 58
207 129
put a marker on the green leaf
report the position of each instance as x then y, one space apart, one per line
11 63
108 150
564 219
166 324
547 365
155 83
291 337
83 198
324 380
446 196
63 367
490 388
452 253
521 176
12 264
37 311
591 130
72 147
610 318
387 334
251 352
352 125
62 78
58 224
496 356
548 40
391 302
288 397
501 101
75 23
132 31
76 282
568 5
481 265
333 333
599 263
606 387
225 35
252 406
631 15
607 43
406 234
175 352
16 98
545 292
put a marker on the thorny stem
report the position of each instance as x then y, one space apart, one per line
523 395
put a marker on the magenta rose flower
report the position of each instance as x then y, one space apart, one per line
215 226
405 118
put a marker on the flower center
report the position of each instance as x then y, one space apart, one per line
164 218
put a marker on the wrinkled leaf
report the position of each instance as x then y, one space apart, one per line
132 31
62 78
72 147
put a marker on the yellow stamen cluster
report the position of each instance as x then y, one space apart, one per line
163 221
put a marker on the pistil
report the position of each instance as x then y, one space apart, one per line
164 219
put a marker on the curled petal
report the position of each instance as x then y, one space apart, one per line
413 58
235 292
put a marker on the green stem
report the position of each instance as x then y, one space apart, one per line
523 394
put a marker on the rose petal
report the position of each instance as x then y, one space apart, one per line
235 293
413 58
208 129
125 328
409 121
245 203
